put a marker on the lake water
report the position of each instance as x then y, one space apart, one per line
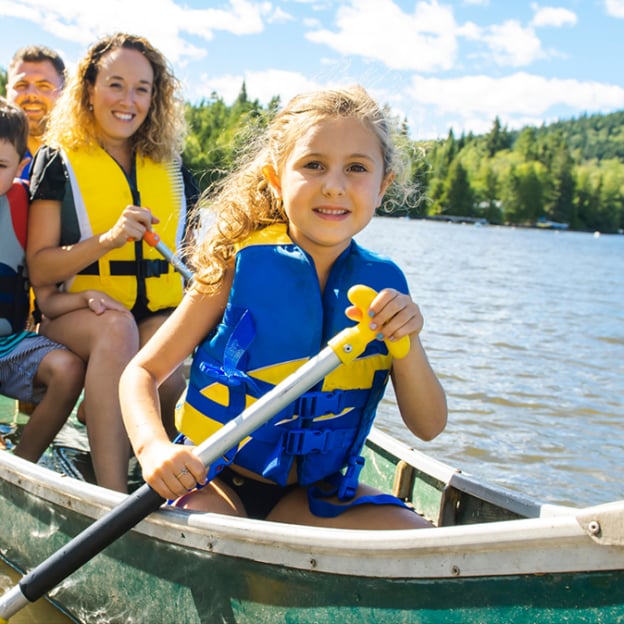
525 329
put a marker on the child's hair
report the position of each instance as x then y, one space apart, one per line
243 202
162 133
13 126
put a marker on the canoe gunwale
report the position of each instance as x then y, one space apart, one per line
537 545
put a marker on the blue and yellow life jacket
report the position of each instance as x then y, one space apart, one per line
275 320
100 192
14 302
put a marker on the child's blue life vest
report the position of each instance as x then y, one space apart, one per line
275 320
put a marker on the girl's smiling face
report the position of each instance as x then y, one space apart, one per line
121 95
331 183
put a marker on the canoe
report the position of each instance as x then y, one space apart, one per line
494 557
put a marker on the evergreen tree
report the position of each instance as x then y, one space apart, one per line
458 197
560 199
498 138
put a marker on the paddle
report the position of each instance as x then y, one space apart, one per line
341 349
152 239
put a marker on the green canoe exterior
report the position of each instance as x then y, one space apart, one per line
494 558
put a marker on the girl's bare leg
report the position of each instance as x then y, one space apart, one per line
294 509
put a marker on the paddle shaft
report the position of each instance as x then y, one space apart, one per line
152 239
341 349
145 500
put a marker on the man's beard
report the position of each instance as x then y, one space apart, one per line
37 128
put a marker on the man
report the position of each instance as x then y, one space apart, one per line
35 79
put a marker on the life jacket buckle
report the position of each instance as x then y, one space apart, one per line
312 404
304 441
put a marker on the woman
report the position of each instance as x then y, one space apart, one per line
110 170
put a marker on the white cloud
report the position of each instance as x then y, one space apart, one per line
424 40
517 94
552 16
280 16
261 85
512 44
85 22
615 8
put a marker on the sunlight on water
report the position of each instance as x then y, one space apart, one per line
40 612
526 331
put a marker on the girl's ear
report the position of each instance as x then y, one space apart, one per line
271 177
385 183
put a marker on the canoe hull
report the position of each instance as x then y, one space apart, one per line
178 566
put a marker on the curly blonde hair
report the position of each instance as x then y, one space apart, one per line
160 136
243 202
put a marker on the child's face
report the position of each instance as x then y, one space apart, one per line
9 165
331 184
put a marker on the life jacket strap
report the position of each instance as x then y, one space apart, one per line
218 465
319 403
345 487
142 269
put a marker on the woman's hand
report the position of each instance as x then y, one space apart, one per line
130 226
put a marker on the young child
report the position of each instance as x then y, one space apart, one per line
32 368
270 287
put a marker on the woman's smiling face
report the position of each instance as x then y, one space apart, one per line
121 95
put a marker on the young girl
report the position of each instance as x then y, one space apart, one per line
271 278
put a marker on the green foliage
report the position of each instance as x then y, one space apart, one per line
568 172
217 134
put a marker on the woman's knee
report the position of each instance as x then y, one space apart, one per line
85 332
115 335
120 325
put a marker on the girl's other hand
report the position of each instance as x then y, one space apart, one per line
393 315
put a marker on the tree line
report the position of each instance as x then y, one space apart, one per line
569 172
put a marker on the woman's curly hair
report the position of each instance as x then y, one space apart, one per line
243 202
159 137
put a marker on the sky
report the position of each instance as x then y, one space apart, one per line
440 65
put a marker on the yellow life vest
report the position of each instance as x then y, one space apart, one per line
101 192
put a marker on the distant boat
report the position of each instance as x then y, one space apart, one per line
547 224
458 219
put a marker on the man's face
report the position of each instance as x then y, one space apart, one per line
34 87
